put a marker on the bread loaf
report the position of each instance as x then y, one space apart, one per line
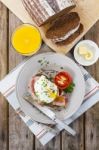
43 11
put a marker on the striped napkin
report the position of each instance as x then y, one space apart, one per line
43 132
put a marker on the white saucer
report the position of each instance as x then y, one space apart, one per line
93 47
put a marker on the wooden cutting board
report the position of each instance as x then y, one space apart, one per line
87 9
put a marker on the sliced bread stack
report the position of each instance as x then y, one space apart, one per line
66 29
65 26
43 11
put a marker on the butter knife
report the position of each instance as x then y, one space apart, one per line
49 113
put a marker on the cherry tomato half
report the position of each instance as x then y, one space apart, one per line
63 80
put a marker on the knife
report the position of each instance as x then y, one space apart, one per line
49 113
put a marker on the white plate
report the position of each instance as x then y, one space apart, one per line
56 61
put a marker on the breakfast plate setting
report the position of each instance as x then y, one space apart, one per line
47 66
50 90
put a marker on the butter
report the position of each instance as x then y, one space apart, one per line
85 52
88 56
82 50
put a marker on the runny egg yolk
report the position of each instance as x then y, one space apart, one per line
52 94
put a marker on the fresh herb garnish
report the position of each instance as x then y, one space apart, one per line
39 61
70 88
47 62
50 78
61 68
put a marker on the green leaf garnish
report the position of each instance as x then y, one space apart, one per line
70 88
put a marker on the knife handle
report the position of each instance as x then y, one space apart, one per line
50 114
65 126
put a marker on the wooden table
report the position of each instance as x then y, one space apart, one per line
14 135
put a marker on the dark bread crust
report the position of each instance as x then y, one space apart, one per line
58 15
63 25
40 15
71 38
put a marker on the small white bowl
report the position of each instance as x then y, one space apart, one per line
93 47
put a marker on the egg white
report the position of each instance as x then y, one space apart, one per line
45 90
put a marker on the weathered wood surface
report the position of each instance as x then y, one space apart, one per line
3 71
20 138
92 116
14 135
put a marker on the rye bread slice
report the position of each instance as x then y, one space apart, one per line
72 37
63 25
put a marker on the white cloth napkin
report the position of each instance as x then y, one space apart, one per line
43 132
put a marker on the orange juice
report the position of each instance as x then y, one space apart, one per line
26 39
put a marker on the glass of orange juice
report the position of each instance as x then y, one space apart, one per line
26 39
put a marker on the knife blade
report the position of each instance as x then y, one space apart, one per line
49 113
